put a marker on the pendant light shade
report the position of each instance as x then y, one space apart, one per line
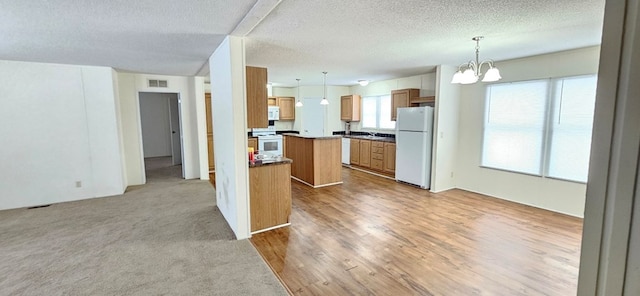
324 98
299 103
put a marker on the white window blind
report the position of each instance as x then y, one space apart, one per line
540 127
376 112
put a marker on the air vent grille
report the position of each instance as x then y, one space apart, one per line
157 83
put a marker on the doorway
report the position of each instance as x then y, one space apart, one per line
161 134
313 117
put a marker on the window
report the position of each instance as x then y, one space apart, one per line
540 127
376 112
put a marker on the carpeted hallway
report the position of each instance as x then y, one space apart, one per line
163 238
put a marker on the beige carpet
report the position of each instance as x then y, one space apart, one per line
164 238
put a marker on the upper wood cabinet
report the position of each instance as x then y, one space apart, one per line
256 81
350 108
401 98
272 101
287 108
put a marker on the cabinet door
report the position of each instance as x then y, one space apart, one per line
355 151
287 108
399 99
345 108
207 105
365 153
390 157
256 79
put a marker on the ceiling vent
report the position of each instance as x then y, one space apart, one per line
157 83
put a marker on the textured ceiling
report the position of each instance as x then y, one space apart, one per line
352 40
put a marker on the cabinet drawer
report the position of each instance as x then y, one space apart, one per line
377 149
378 156
377 144
377 164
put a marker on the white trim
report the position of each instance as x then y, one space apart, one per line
272 228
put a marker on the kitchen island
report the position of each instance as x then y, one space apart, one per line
316 159
270 194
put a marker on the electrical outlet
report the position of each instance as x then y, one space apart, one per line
78 184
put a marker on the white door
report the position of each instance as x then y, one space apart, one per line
313 117
174 126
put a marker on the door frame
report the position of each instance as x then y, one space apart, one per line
139 119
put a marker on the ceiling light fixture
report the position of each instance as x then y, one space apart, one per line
299 103
324 99
363 82
473 69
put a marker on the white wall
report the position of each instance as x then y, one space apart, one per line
446 131
426 83
555 195
129 87
227 68
332 111
154 119
59 127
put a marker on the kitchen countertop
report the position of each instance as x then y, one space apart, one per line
270 161
372 138
313 137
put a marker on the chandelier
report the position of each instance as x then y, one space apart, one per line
471 71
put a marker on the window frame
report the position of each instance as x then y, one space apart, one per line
378 112
550 103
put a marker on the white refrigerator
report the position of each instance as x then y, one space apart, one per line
414 135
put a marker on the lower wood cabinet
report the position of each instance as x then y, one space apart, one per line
270 195
377 155
355 152
390 158
365 153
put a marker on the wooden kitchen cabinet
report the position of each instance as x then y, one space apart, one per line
365 153
377 155
253 142
350 106
287 108
256 82
270 196
401 98
354 153
272 101
207 104
390 158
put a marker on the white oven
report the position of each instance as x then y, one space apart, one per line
270 145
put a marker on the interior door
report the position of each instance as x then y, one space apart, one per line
176 135
313 117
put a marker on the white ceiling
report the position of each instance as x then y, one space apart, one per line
351 40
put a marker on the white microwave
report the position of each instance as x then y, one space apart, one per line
273 113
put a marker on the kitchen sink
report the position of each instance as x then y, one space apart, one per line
378 138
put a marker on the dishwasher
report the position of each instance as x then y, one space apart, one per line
346 151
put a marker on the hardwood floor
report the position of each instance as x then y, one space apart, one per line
374 236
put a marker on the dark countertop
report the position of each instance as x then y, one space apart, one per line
270 161
313 137
372 138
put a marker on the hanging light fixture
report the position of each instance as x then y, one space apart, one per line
473 69
324 99
299 103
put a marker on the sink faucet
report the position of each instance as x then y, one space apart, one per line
373 134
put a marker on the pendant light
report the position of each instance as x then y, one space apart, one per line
324 99
299 103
